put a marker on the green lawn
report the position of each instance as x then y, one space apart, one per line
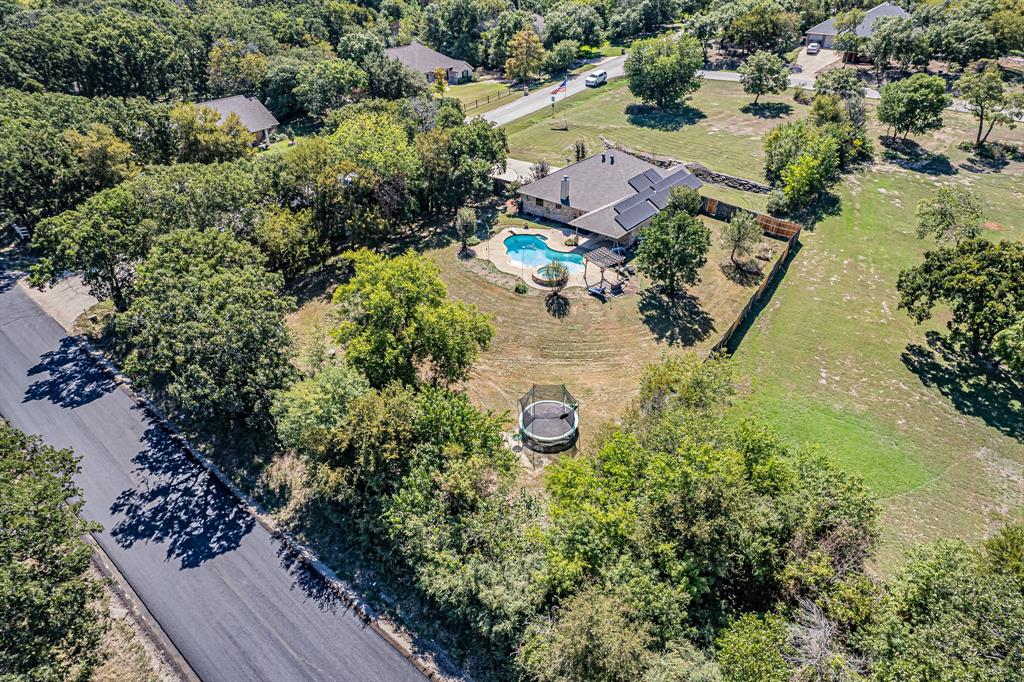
831 360
715 131
474 96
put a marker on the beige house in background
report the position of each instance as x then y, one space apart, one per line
419 57
256 118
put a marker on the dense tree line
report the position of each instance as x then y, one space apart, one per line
53 616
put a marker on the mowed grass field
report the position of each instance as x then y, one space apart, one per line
832 362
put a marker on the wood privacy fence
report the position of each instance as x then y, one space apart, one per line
773 227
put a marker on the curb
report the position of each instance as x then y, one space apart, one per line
388 631
140 614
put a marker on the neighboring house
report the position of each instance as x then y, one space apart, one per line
251 112
612 194
419 57
825 33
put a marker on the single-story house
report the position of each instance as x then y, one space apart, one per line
256 118
612 194
419 57
825 33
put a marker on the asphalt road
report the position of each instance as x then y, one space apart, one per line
217 582
541 97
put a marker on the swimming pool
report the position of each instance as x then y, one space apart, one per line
532 251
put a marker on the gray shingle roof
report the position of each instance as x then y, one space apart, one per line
593 182
616 197
254 116
865 27
425 60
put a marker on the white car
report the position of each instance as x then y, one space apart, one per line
596 78
813 48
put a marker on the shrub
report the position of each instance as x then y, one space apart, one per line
521 287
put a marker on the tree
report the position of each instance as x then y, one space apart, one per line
457 162
1004 552
200 137
674 249
310 415
664 70
452 27
764 73
104 158
595 636
52 619
206 330
980 283
754 649
914 105
842 82
982 88
1009 346
465 225
561 56
573 21
440 81
525 55
579 148
289 240
847 39
740 235
235 68
399 324
509 23
328 85
946 617
762 26
954 213
391 79
895 39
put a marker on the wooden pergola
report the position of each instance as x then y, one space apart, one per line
603 258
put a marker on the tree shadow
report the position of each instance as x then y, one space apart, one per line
747 275
828 204
179 503
763 301
677 320
71 380
909 155
557 305
7 280
973 389
309 581
767 109
668 120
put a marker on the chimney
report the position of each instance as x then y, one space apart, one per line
565 189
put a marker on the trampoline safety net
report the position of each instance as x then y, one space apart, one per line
548 418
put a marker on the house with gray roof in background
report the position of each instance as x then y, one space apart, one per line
825 33
419 57
612 194
256 118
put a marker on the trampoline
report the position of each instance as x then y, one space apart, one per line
548 418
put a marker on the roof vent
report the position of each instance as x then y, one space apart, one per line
602 157
611 159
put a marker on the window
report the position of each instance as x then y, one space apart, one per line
540 202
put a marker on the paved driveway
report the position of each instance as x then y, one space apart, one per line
233 603
811 64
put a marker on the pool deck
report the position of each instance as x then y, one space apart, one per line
493 250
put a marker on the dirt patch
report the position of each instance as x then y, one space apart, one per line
994 226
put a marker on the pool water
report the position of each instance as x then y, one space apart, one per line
532 251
